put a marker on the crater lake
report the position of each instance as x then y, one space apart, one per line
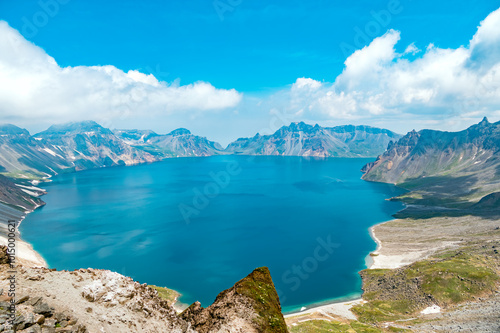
198 225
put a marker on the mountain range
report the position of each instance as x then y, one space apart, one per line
300 139
178 143
453 169
449 169
87 145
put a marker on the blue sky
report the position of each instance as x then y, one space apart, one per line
250 55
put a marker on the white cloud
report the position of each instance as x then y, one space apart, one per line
379 82
306 83
412 49
34 86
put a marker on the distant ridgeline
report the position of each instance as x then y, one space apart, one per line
87 145
300 139
449 169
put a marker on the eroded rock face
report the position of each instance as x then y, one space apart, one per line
15 196
431 153
85 300
33 315
179 142
4 257
94 300
251 305
300 139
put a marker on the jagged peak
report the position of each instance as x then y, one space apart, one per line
484 121
253 302
296 127
180 131
300 125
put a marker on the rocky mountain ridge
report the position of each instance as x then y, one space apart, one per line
86 145
24 156
300 139
178 143
458 167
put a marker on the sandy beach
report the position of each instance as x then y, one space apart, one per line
383 258
334 310
393 254
377 259
402 242
25 255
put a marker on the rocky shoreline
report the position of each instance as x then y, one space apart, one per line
403 242
25 254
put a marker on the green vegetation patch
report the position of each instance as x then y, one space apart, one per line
24 175
376 311
155 150
319 326
398 329
455 279
452 278
259 287
167 294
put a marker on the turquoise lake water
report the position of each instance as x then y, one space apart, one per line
198 225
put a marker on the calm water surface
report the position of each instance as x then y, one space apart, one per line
198 225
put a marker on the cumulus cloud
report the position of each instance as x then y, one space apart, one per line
377 81
33 85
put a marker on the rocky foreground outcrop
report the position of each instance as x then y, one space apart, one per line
92 300
251 305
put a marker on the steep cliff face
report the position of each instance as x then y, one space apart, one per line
300 139
250 306
23 156
178 143
463 164
86 145
24 198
